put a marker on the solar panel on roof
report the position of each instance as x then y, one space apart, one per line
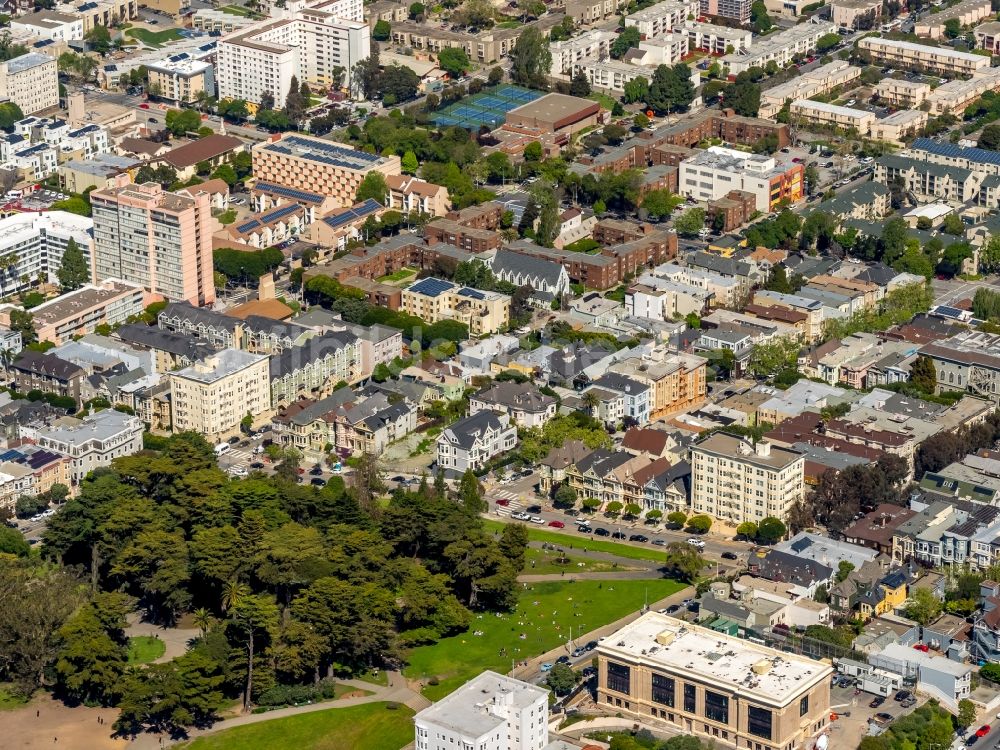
948 312
950 150
431 287
10 455
287 192
474 293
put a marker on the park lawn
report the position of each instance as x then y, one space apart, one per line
545 562
142 649
154 38
572 540
371 726
603 99
379 678
9 699
235 10
227 217
545 614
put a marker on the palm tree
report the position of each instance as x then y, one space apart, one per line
591 400
203 619
233 592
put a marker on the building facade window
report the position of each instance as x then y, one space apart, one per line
619 677
716 707
804 706
759 722
663 690
689 698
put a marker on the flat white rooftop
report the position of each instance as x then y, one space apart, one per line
750 670
482 704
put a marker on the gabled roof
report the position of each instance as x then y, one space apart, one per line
48 365
535 269
468 431
517 396
653 442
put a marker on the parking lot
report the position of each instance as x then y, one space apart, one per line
855 714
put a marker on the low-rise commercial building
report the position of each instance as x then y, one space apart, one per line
736 481
942 60
967 13
212 396
702 682
556 113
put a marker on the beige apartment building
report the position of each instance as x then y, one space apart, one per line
726 690
807 85
821 113
966 13
947 62
213 395
734 480
902 93
435 299
182 80
954 96
900 126
159 240
988 37
31 82
485 47
301 162
585 12
851 14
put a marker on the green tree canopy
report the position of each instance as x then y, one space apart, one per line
74 271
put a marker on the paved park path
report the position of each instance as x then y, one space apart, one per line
398 691
177 640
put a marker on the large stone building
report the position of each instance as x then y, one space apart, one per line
212 396
157 239
31 82
435 299
735 481
722 689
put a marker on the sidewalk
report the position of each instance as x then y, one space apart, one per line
398 691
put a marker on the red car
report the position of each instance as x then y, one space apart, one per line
557 524
921 647
502 502
983 730
143 106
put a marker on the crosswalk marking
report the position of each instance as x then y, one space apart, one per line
241 455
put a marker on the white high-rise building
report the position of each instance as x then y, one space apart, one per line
309 41
489 712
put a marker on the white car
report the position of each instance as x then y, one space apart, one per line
520 515
696 543
537 519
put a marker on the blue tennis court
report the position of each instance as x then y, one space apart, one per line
488 107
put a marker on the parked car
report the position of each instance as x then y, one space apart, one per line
696 543
590 645
503 502
557 524
730 556
882 718
546 666
316 470
572 512
660 542
638 538
520 515
983 730
619 535
318 482
877 701
536 519
601 532
579 651
902 695
534 509
257 465
562 659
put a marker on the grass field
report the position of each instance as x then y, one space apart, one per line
371 726
235 10
545 615
142 649
545 562
154 38
9 699
573 541
402 273
604 100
